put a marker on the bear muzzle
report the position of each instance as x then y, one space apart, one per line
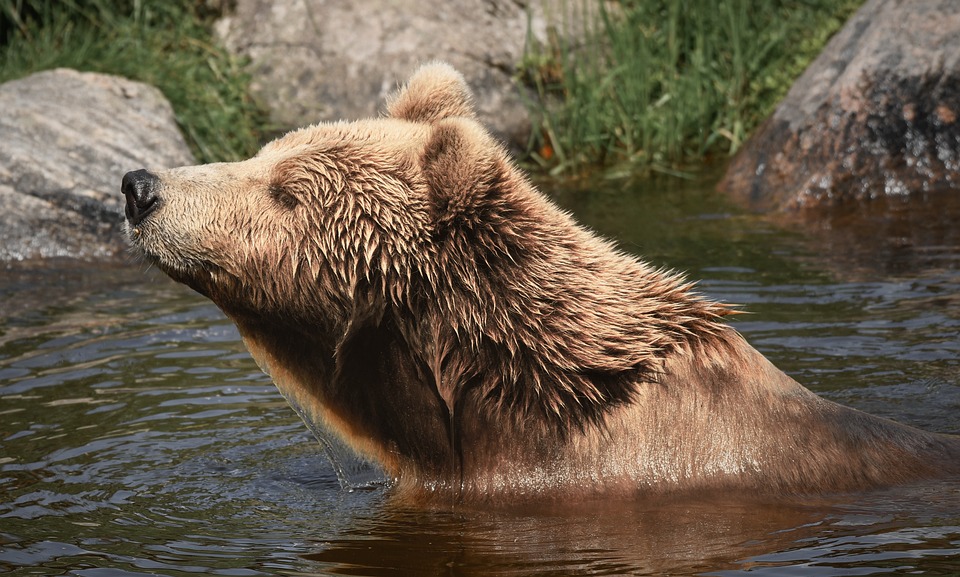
140 189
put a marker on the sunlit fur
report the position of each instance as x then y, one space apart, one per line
407 287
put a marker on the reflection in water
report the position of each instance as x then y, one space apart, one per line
586 539
891 236
138 437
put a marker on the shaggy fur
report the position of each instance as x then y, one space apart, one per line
407 287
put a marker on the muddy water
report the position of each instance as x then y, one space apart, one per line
138 438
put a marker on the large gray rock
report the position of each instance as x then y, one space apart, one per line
314 60
68 138
878 113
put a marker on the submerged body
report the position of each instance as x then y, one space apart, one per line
407 288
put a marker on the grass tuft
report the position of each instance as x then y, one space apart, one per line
660 84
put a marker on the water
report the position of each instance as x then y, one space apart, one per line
137 437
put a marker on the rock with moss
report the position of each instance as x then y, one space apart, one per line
876 114
68 139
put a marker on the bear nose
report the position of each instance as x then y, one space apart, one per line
139 187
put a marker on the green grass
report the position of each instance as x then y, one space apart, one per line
661 84
166 43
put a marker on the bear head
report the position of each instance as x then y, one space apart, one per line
326 220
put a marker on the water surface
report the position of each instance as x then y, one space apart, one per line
137 437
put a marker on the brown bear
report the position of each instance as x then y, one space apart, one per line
408 288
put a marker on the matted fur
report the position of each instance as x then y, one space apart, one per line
408 288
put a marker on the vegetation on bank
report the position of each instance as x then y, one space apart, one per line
636 84
660 84
166 43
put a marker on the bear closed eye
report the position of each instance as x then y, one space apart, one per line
283 197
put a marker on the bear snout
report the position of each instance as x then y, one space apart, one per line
140 189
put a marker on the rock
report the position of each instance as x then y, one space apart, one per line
314 60
875 114
68 139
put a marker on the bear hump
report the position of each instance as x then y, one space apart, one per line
434 92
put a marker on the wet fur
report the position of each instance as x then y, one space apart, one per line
406 286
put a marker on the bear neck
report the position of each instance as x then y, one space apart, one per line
365 389
534 317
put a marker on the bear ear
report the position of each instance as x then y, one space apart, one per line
434 92
464 167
